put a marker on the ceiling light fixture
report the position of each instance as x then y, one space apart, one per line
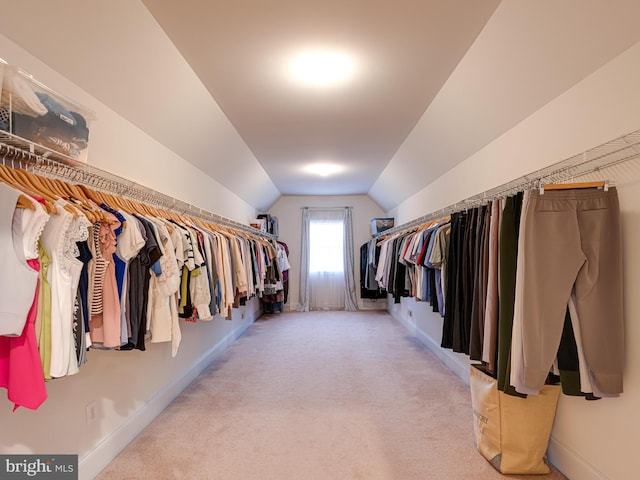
323 169
321 68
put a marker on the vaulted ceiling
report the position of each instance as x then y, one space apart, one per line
403 52
433 81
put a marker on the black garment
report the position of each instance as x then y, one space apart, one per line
477 305
391 280
454 279
187 310
78 328
364 260
568 363
433 293
400 278
83 284
139 277
367 271
509 232
462 325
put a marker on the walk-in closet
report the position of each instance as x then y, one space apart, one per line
319 240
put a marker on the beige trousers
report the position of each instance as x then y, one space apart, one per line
571 240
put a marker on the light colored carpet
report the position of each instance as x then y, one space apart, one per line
320 395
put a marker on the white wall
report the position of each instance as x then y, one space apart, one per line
590 440
287 209
120 55
129 388
119 147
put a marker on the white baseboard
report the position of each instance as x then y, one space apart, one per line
560 455
295 307
570 463
95 461
458 366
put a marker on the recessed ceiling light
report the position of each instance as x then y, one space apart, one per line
321 68
323 169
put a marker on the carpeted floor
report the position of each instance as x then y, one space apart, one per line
315 396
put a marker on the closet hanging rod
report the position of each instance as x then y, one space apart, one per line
621 149
24 153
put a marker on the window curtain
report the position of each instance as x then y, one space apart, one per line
351 300
327 290
304 262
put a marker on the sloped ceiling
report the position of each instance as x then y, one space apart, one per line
438 80
404 52
527 55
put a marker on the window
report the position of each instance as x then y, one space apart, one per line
326 238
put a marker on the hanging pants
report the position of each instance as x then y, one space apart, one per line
508 247
572 240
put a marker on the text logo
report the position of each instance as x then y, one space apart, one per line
51 467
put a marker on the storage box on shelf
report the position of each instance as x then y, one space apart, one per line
271 223
379 225
31 111
259 224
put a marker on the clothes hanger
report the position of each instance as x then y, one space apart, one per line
57 190
95 192
179 218
200 223
183 219
16 179
94 213
47 189
165 221
86 206
53 185
147 209
574 186
115 202
23 201
95 198
89 193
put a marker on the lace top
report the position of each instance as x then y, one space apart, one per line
32 223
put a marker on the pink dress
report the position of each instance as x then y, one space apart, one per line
20 366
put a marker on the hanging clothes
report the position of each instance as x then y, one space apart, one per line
277 264
523 284
572 241
16 294
21 370
369 257
80 274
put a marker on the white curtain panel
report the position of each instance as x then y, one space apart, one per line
326 267
304 262
326 291
351 300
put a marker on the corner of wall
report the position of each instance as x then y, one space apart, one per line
411 317
570 463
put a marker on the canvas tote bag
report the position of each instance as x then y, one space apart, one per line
512 433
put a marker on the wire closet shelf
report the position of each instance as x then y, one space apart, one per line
622 149
17 152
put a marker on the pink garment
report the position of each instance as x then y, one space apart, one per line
20 368
105 327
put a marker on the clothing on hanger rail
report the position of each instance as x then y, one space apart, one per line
536 242
115 273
